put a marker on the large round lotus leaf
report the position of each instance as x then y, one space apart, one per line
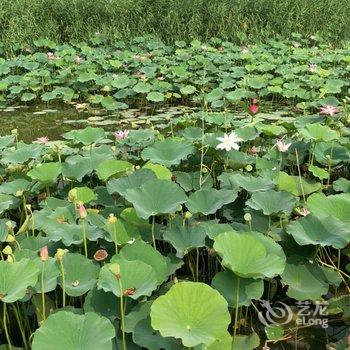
337 206
7 202
296 185
325 231
184 238
15 278
80 274
272 202
250 255
228 284
167 152
85 136
156 197
341 185
135 275
134 180
142 251
206 201
46 172
190 181
213 228
76 167
22 154
12 187
248 182
145 336
138 313
319 132
155 96
104 303
48 275
121 232
161 172
305 281
69 331
81 194
112 167
246 342
188 310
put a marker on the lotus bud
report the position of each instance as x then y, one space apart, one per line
112 219
44 253
29 207
188 215
247 217
10 260
10 238
7 250
115 269
60 254
175 280
82 211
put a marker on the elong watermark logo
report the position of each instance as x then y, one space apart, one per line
306 314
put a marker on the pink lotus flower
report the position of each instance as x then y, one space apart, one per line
282 146
43 140
82 211
44 253
121 134
253 109
329 110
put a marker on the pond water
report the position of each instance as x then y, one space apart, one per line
33 122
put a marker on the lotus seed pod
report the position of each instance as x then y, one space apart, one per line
7 250
249 167
188 215
60 253
247 217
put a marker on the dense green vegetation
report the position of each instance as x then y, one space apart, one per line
144 72
23 21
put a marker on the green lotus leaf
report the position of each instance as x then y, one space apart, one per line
296 185
48 275
341 185
121 232
272 202
80 274
187 312
246 342
337 206
81 194
319 132
22 154
144 335
250 255
15 186
184 238
213 228
248 182
304 280
86 136
167 152
155 96
229 285
337 305
214 95
318 172
324 231
138 313
206 201
15 279
142 88
156 197
104 303
8 202
70 331
274 332
142 251
134 180
110 168
46 173
135 275
161 172
76 167
190 181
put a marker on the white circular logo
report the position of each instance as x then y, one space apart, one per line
280 313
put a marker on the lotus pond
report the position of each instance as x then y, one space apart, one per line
195 197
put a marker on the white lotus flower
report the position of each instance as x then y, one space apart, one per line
282 146
229 142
